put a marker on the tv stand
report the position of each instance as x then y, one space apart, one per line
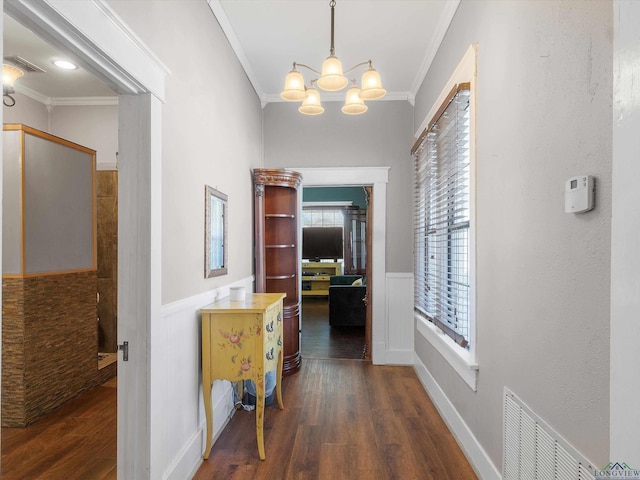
315 277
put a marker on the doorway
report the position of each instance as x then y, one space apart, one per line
105 47
334 279
377 178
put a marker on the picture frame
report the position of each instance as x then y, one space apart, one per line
216 230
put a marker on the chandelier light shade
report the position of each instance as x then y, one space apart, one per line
371 85
311 104
9 76
332 78
354 105
294 90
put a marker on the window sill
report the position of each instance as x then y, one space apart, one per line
459 358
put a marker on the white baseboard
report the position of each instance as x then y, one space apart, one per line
378 353
190 459
478 458
399 357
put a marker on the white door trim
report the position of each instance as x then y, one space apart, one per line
378 177
92 34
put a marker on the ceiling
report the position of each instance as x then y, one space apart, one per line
54 86
401 37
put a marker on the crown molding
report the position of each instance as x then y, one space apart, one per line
339 97
223 21
84 101
439 32
65 101
448 12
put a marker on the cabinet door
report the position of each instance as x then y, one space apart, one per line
272 337
355 228
235 345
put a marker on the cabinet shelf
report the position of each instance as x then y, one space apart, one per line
279 215
315 277
280 277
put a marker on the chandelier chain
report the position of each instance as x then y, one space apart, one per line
332 4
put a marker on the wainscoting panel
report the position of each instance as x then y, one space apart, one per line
177 366
399 319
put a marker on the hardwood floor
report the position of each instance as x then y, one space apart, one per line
321 340
343 419
77 441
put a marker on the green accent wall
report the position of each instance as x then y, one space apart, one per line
335 194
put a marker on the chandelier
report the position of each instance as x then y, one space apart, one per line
332 79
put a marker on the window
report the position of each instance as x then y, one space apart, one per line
442 217
322 217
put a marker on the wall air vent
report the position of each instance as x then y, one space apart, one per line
533 450
23 64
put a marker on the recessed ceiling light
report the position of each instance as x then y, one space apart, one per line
64 64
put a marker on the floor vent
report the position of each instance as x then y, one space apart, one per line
534 451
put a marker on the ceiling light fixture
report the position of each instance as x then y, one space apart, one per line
64 64
9 76
332 79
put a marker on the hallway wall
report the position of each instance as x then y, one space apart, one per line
544 114
211 135
380 137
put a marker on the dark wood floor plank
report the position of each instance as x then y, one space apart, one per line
321 340
343 419
78 440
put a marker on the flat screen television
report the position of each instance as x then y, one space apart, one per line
321 243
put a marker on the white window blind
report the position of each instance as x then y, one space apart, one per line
441 217
323 217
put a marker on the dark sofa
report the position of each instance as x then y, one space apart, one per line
346 305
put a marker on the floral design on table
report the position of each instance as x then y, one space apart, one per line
233 339
244 364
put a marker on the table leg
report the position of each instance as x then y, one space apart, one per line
206 393
279 381
260 416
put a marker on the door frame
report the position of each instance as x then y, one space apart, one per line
94 36
377 178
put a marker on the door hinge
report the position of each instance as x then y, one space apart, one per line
125 351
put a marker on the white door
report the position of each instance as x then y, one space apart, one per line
100 42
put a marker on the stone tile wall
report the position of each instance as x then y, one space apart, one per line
49 336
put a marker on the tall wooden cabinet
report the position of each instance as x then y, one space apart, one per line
278 253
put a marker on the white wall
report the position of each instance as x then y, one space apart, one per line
543 115
27 112
379 137
211 135
212 131
93 126
625 262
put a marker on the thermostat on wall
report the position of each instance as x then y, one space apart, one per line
579 194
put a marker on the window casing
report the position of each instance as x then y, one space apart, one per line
442 218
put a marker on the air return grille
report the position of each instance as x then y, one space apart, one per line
534 451
24 64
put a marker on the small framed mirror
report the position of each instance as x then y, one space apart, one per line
215 227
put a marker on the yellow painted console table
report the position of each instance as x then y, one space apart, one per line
242 340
